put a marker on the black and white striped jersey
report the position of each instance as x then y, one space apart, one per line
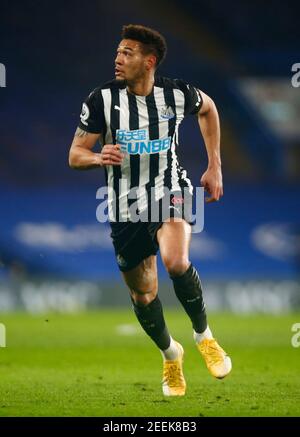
146 127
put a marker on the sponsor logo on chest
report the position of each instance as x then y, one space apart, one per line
137 142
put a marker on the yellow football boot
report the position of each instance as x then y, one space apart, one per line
216 359
173 383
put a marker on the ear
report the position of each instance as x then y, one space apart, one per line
150 62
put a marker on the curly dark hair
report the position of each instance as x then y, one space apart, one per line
152 41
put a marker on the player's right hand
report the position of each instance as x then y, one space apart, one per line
111 154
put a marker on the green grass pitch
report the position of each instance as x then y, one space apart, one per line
94 364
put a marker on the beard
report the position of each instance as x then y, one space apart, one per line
121 82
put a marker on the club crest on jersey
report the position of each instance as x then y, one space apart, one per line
167 113
85 113
136 142
121 261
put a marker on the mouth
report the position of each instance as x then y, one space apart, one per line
118 72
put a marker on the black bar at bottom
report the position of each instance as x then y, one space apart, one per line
137 425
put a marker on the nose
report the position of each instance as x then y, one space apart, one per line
118 59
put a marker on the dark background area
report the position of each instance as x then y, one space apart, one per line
56 53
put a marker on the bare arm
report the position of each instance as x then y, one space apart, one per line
81 156
208 120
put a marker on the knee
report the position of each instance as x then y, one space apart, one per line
176 265
142 298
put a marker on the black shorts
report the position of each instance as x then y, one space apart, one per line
134 242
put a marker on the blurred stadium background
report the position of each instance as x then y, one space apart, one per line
54 255
56 260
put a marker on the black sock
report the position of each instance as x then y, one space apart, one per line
189 292
152 321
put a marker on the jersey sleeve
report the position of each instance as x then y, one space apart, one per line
92 113
193 98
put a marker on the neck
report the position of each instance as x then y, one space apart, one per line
141 87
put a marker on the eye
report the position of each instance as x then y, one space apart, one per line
124 52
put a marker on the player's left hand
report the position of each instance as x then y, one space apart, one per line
212 182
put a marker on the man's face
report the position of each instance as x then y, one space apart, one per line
131 64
